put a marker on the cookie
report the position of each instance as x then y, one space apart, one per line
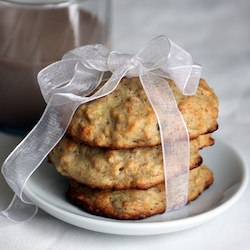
125 118
117 169
134 203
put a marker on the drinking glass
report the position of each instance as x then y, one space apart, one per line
34 34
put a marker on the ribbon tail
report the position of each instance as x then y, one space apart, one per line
174 138
18 211
30 153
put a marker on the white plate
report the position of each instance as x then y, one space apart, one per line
47 189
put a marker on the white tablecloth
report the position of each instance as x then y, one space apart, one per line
217 34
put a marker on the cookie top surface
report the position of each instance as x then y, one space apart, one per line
125 118
134 203
117 169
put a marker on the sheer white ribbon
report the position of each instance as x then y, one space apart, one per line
68 83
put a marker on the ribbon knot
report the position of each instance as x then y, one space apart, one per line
117 60
139 68
68 83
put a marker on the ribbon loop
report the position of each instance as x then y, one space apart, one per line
92 56
66 84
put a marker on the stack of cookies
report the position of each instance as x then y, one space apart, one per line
112 151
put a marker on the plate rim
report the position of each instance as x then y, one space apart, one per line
149 227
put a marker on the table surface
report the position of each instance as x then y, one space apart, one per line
217 34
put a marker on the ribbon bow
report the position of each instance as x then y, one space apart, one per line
66 84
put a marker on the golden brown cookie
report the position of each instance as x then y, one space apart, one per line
117 169
125 118
134 203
